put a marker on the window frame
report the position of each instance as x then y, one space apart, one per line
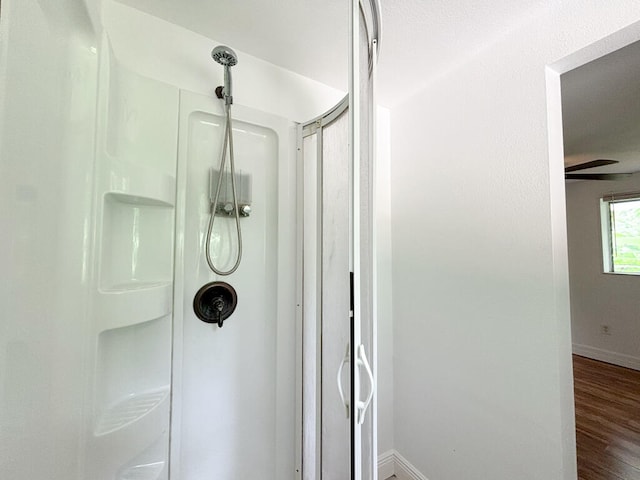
608 262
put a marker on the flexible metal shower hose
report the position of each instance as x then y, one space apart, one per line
228 142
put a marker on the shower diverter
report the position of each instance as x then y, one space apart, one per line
215 302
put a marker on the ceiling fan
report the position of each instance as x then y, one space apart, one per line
593 176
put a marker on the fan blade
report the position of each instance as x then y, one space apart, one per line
591 164
597 176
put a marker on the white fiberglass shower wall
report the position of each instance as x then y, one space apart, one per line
107 138
235 388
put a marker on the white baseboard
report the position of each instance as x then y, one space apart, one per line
406 471
392 463
614 358
386 465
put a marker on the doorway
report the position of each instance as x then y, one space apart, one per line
598 102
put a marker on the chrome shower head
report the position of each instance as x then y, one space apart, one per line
227 58
224 56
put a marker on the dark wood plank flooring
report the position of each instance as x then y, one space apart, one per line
607 420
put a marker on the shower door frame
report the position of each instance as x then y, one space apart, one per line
369 11
309 298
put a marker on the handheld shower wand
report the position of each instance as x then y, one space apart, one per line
227 58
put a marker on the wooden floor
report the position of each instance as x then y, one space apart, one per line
607 420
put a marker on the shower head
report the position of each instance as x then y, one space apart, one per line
227 58
224 56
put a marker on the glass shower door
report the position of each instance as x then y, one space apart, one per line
338 315
328 300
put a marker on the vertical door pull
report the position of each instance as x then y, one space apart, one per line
340 391
362 406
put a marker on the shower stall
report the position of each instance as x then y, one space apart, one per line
110 144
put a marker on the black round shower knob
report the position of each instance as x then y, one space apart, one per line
215 302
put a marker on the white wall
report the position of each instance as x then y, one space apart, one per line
482 349
598 298
384 295
48 76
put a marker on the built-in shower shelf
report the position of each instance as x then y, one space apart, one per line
136 243
129 410
150 471
134 287
138 200
137 184
132 274
127 304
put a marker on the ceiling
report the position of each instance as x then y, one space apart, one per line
601 111
420 40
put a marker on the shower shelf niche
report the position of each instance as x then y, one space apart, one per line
129 410
138 184
132 303
151 471
114 448
150 464
137 238
133 378
132 278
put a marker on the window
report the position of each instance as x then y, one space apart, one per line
621 233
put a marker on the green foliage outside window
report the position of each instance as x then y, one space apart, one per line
625 236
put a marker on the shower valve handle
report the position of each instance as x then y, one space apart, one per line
218 305
215 302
